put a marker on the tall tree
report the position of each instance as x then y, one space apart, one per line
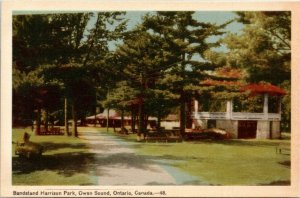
143 64
263 50
59 41
121 98
184 37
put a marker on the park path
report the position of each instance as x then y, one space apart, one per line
118 164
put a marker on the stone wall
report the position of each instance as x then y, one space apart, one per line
263 129
276 129
230 126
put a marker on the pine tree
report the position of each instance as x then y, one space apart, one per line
184 38
143 64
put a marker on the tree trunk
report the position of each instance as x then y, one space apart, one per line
114 125
146 117
189 121
182 114
141 119
107 120
66 118
133 119
182 97
95 122
46 120
74 129
158 121
122 121
38 122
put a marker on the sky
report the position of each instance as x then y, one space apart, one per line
217 17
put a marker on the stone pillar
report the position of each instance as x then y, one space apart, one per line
228 109
263 129
279 109
196 109
266 106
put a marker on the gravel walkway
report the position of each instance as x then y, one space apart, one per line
118 164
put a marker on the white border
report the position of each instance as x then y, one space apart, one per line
175 191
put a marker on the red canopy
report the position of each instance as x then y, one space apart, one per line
262 88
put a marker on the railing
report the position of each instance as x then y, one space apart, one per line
247 116
274 116
236 116
210 115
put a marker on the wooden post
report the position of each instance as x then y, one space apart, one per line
74 129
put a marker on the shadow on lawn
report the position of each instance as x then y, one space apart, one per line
50 146
69 164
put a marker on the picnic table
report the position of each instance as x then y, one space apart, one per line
51 131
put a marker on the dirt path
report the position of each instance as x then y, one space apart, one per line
118 164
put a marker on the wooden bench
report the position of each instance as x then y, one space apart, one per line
155 136
164 136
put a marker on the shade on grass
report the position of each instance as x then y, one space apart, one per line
225 162
67 161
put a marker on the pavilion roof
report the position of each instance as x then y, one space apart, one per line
261 88
254 88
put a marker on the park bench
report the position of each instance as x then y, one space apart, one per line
164 136
156 136
51 131
283 149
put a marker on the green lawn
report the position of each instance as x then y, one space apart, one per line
225 162
67 161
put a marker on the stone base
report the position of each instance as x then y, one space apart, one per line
265 129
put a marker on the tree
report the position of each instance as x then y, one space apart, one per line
121 98
142 66
59 42
263 50
184 37
42 40
31 94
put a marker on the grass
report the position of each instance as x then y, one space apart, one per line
227 162
66 161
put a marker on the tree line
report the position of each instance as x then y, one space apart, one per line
63 64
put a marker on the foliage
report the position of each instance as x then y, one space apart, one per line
166 60
263 50
266 54
184 37
55 46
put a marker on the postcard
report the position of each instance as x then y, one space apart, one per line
140 99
